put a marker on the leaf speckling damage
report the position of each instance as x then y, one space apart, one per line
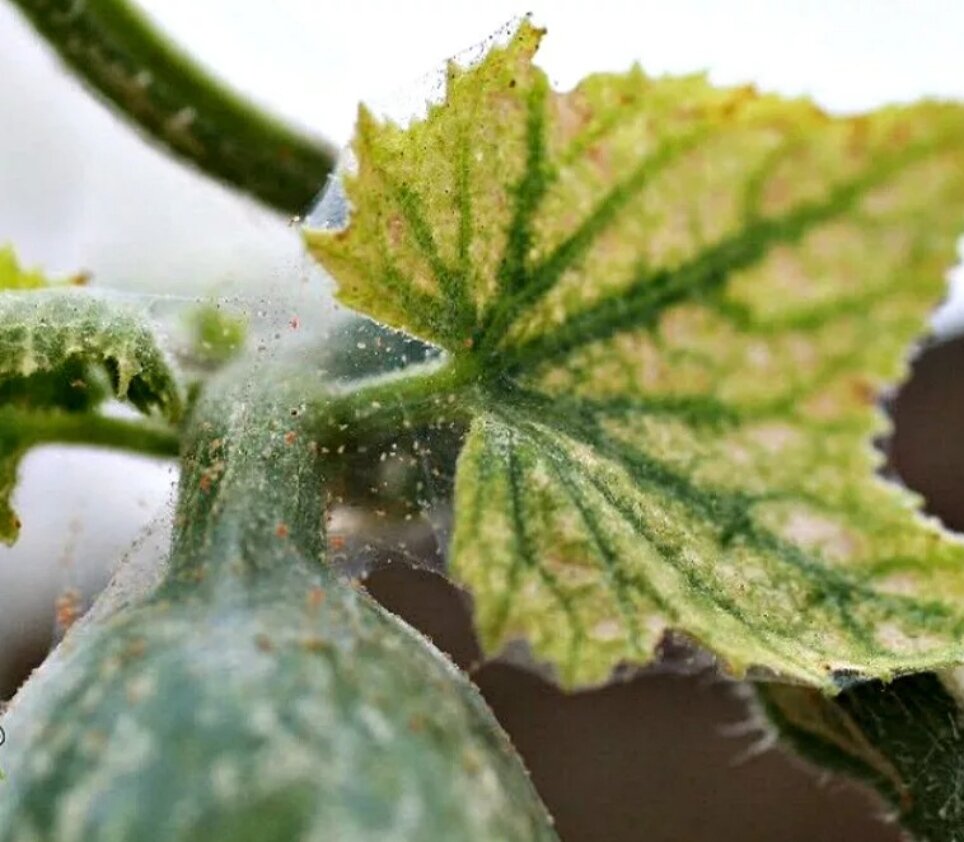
676 305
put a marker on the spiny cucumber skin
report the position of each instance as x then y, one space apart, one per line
304 712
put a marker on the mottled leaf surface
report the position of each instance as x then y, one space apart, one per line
64 351
673 307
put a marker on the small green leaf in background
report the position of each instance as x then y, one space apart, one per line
217 335
14 276
672 307
61 353
904 739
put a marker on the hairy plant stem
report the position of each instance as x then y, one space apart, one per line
35 427
379 409
262 450
252 498
371 413
119 53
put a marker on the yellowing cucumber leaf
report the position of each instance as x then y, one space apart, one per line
671 308
61 353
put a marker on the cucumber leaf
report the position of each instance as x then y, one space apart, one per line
63 352
672 307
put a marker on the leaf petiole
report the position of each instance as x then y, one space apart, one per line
31 427
378 409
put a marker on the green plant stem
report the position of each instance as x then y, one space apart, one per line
33 428
374 412
377 410
252 497
119 53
